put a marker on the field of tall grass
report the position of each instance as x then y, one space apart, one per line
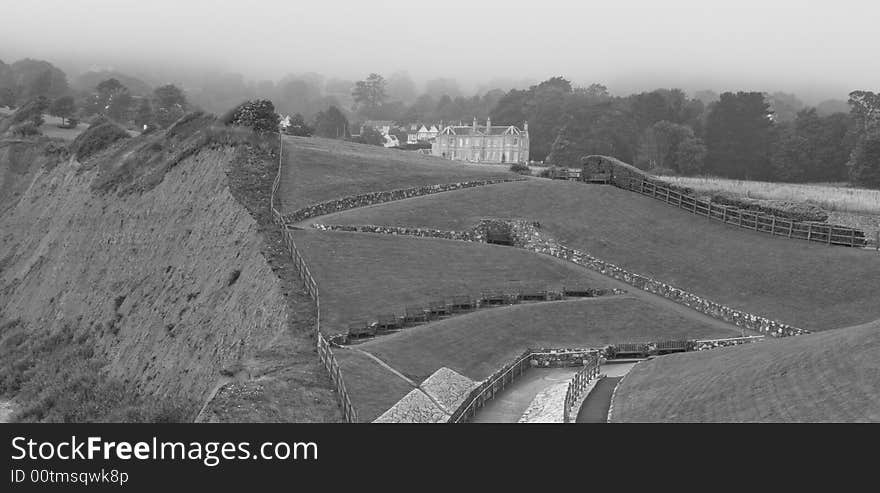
829 196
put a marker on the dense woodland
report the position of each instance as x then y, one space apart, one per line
749 135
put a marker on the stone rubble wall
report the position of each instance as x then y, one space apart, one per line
373 198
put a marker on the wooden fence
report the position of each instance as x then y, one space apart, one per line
578 384
325 353
756 221
488 388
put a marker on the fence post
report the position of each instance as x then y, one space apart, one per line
810 231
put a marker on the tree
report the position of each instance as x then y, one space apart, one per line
259 115
63 107
144 117
401 87
331 123
120 105
371 136
170 104
791 157
865 161
690 157
785 107
299 127
436 88
739 133
169 96
865 110
369 93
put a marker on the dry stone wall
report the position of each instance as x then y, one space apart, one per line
363 200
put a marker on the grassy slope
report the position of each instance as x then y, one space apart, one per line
804 284
830 376
326 169
373 389
363 275
478 343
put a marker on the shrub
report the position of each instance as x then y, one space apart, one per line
549 172
27 129
520 168
97 138
258 115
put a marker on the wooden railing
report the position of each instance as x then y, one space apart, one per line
578 384
325 353
756 221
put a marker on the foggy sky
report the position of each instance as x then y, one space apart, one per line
817 49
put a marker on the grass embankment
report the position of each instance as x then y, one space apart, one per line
831 376
372 388
319 169
804 284
831 197
363 275
478 343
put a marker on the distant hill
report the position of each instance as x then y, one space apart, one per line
88 81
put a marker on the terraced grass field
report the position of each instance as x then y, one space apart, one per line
804 284
364 275
830 376
326 169
478 343
373 389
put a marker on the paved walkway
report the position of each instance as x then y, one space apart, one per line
595 406
510 404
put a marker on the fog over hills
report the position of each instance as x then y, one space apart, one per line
814 49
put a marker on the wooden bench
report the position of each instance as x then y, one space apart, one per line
361 329
461 303
437 309
631 349
493 298
415 314
578 291
533 295
667 347
388 322
602 178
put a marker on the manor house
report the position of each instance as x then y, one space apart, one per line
485 144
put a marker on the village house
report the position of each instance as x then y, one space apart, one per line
485 144
421 133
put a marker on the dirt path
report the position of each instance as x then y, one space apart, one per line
383 365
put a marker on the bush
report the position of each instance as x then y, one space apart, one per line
520 168
97 138
258 115
27 129
549 172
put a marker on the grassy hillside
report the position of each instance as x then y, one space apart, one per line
325 169
363 275
373 389
808 285
830 376
478 343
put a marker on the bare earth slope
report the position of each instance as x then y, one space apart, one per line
828 376
172 281
808 285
